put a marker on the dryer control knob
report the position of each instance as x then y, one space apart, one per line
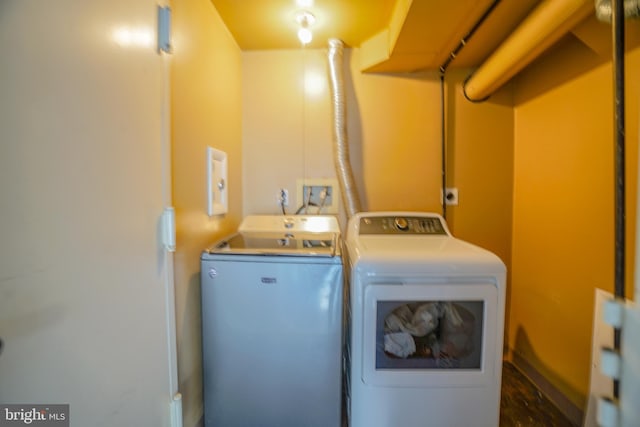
401 224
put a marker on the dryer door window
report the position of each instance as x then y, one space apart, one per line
430 334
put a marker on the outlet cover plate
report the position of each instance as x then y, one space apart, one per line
217 187
451 196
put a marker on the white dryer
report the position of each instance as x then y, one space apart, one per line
426 324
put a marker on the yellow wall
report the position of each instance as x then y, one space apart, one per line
394 125
480 165
563 223
206 110
394 133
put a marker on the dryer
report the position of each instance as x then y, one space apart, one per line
426 323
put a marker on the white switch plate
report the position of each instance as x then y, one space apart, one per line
217 186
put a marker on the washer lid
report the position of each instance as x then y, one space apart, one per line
286 235
277 225
323 245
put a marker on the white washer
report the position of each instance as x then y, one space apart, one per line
426 324
272 324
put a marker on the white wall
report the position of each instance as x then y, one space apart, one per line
286 131
82 292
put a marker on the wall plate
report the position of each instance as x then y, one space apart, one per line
450 196
217 186
320 204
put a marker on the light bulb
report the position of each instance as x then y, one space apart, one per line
304 4
304 35
305 20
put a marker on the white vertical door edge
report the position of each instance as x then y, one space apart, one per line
172 360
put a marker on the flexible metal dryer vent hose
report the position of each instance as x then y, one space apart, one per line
340 142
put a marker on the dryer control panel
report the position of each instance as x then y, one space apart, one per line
402 225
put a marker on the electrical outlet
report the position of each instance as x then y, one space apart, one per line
283 197
451 196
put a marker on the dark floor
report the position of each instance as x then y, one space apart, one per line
522 405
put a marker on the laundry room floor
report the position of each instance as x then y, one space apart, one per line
522 404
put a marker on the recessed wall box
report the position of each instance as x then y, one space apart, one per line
317 196
217 187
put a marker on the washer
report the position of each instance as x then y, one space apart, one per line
426 324
272 324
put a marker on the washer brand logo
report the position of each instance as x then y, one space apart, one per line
268 280
36 415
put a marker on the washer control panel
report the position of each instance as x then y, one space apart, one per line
402 225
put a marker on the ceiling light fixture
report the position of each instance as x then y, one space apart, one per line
304 4
305 21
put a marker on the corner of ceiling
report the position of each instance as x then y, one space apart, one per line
376 52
